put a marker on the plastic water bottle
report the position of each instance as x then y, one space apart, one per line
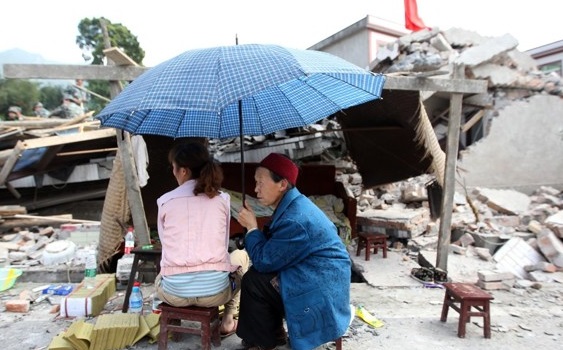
155 303
136 301
90 269
138 284
129 240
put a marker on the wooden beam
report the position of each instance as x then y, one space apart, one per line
42 123
454 122
69 138
474 119
92 93
462 86
13 190
61 71
54 218
77 119
10 131
98 150
11 161
119 57
129 73
6 210
134 196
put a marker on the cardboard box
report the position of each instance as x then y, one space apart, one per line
89 301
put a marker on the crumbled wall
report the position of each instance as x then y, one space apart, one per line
523 150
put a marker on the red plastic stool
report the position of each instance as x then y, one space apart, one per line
467 295
372 241
171 320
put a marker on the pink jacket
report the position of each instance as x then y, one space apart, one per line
194 231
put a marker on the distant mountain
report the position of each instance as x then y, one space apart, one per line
20 56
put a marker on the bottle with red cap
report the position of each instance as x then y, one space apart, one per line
129 240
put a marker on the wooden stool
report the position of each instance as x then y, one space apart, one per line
153 255
171 320
468 295
372 240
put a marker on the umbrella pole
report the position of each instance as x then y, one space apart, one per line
240 239
241 153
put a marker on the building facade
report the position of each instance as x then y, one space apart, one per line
359 42
549 57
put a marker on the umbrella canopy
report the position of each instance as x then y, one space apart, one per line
204 92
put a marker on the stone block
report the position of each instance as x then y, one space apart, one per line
487 50
534 226
466 240
514 255
497 285
541 266
505 220
551 247
492 276
17 305
457 249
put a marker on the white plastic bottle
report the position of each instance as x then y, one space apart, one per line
155 303
129 240
136 301
90 269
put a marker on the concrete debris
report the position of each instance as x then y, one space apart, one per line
504 201
519 105
492 58
551 247
504 217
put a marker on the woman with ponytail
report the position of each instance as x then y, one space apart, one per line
193 226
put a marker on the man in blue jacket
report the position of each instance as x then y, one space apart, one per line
300 267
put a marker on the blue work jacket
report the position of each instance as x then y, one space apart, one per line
303 246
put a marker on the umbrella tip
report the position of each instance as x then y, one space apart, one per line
236 39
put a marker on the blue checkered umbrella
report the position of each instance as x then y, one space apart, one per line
265 88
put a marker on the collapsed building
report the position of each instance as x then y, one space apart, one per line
384 152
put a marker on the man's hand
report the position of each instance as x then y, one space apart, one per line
247 218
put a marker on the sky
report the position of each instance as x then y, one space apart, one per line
166 28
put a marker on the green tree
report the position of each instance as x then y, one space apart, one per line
91 39
18 92
51 96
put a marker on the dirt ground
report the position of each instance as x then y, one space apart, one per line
520 319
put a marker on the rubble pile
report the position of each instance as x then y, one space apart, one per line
34 245
511 75
522 234
509 72
46 161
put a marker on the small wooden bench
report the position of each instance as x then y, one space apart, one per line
171 320
468 296
372 241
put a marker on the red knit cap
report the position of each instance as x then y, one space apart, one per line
282 166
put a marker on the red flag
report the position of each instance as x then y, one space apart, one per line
412 21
